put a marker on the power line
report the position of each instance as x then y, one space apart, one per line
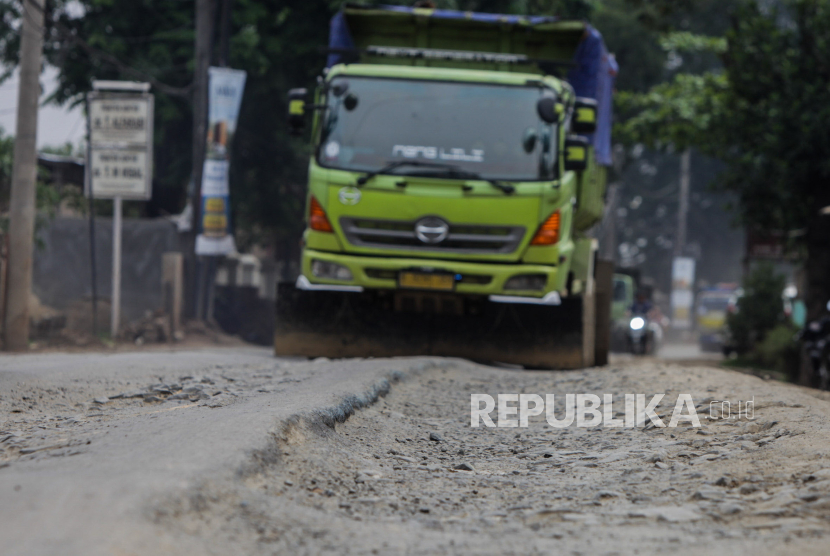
74 128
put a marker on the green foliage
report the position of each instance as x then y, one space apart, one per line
777 131
779 351
47 197
566 9
759 310
635 47
659 14
684 41
47 200
142 41
67 149
767 116
679 113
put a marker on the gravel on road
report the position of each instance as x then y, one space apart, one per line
382 483
387 462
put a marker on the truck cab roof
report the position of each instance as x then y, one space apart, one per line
444 74
516 43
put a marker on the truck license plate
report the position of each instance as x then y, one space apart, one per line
424 281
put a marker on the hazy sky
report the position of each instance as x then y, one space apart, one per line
55 125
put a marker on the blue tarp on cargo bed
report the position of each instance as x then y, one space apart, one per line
593 75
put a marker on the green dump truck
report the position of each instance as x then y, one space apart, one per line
457 167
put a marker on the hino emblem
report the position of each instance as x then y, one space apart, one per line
431 230
349 195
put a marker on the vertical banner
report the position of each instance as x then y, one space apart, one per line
224 98
682 296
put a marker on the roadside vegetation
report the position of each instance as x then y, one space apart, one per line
760 332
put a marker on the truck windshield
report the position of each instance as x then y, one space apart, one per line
490 130
714 303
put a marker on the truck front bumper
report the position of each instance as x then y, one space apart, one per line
471 278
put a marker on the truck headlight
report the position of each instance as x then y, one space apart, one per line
330 271
526 282
637 323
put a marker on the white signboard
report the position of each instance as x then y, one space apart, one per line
122 173
682 297
124 121
121 145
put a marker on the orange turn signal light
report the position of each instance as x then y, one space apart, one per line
317 219
548 232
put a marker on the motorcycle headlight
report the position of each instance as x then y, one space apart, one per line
637 323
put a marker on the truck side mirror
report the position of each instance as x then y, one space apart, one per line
584 119
576 153
296 111
548 109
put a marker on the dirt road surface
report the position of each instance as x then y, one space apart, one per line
236 452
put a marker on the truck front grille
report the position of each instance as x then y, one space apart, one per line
462 238
384 274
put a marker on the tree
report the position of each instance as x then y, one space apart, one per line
768 118
277 43
759 310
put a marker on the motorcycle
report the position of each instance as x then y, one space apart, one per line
815 340
640 335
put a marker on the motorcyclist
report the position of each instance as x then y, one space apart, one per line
641 306
640 335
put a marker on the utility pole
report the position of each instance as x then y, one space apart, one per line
683 210
208 289
204 40
24 174
225 33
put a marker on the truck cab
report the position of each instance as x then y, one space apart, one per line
449 170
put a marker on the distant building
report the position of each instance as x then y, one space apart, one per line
62 170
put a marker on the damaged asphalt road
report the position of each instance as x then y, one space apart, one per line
234 451
80 476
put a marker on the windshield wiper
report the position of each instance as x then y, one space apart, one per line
506 188
455 172
398 163
450 171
